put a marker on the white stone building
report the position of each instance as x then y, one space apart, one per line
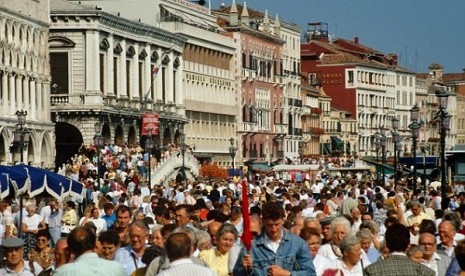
103 69
210 89
25 80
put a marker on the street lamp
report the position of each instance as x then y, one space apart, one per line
98 143
382 141
148 149
415 127
395 140
444 122
232 153
21 138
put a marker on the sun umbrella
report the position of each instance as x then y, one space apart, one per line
14 176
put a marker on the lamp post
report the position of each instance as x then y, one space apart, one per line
424 150
21 138
98 143
444 121
148 149
395 140
382 141
232 153
415 127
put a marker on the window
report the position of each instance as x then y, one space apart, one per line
102 73
350 77
59 72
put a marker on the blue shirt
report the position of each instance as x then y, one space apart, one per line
292 255
110 219
90 264
128 259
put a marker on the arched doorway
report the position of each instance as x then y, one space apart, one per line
132 136
106 133
67 142
167 137
119 136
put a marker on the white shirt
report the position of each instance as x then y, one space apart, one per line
273 245
186 267
433 264
321 264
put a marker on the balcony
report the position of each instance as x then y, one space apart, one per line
249 127
315 110
295 131
317 131
294 102
280 129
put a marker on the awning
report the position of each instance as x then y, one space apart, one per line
339 145
259 167
326 149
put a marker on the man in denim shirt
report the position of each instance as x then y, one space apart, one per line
275 252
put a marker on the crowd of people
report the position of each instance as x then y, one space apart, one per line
339 225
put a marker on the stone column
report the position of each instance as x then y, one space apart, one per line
46 100
110 67
122 75
12 97
135 74
159 79
147 90
19 92
169 80
92 61
32 87
39 99
4 98
26 99
180 87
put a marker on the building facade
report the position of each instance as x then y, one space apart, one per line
263 126
109 69
25 81
210 101
363 82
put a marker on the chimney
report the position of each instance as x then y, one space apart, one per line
356 40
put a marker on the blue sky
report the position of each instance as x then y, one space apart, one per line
421 32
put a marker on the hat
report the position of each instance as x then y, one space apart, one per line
12 242
326 221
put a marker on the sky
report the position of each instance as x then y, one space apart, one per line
421 32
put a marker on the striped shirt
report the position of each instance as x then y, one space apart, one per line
186 266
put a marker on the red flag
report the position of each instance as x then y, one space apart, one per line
155 71
246 234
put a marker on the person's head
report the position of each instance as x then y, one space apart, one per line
225 237
459 252
80 240
42 239
312 222
182 215
313 238
61 252
108 208
416 207
138 233
256 225
123 216
446 232
13 251
340 227
273 219
190 232
384 250
365 237
203 240
109 241
162 215
427 241
95 213
397 238
212 229
415 253
355 213
138 215
428 226
350 249
31 209
156 237
367 216
178 246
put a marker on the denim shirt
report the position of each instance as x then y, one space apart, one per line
293 255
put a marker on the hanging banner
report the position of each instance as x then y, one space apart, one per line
149 120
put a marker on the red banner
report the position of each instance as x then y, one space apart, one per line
149 120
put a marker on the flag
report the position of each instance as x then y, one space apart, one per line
155 71
246 234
